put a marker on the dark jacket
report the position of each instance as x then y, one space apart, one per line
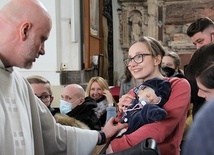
197 101
54 110
86 114
148 114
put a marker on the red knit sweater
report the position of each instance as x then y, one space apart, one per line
168 132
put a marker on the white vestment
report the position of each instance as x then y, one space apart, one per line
27 126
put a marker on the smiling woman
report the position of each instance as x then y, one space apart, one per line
167 132
98 89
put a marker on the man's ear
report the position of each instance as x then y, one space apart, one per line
24 30
82 99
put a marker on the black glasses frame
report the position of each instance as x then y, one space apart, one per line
128 60
45 98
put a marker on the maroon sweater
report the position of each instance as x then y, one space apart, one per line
168 132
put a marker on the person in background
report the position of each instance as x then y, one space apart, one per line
128 83
144 62
171 65
42 86
200 138
42 89
98 89
28 127
201 33
74 104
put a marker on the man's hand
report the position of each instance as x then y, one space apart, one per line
112 127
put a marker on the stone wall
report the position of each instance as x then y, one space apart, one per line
165 20
178 16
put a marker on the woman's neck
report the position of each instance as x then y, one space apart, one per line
155 75
100 99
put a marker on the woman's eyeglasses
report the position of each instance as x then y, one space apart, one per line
137 59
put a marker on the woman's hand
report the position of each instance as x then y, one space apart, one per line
108 96
125 101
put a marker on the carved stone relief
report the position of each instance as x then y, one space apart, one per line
133 22
178 18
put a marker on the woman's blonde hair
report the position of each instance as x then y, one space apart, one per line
101 81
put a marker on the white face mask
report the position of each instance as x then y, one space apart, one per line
65 107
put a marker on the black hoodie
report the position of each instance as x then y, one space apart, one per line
86 114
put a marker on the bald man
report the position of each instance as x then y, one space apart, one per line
27 126
75 105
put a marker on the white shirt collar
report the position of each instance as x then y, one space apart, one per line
9 69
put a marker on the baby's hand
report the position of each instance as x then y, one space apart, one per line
125 101
131 92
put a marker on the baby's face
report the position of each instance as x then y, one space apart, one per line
149 95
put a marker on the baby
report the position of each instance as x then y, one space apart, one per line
147 106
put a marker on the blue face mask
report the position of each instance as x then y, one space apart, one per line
65 107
